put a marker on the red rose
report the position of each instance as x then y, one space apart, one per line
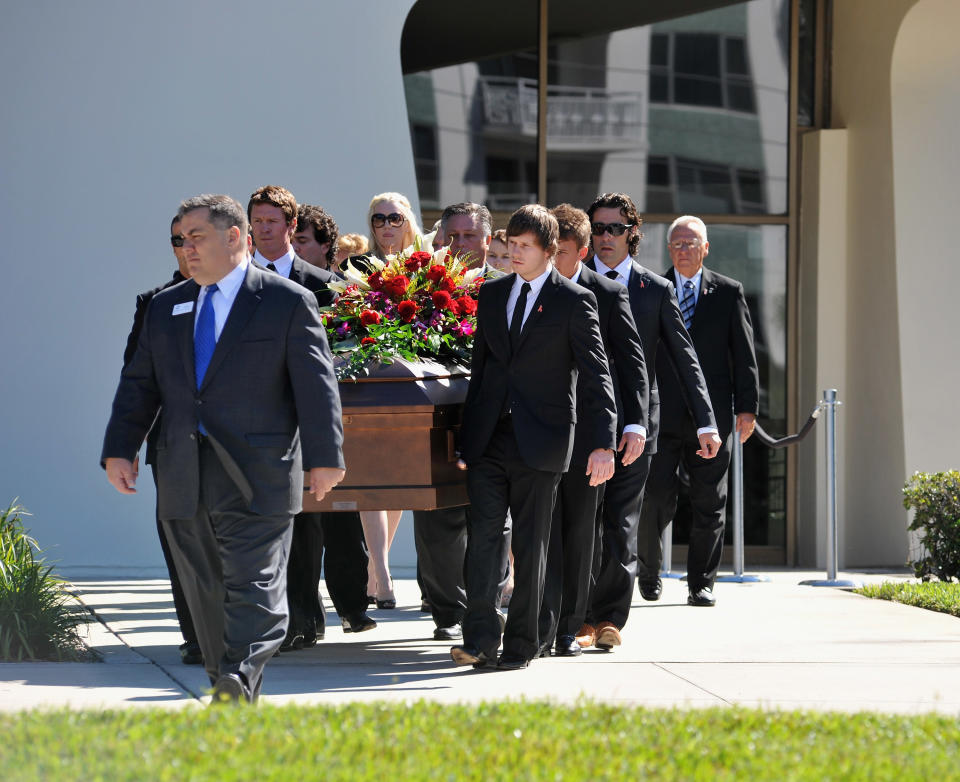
417 261
408 310
447 284
436 273
466 306
397 286
375 281
368 341
369 317
442 300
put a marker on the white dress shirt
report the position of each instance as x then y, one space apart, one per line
283 264
628 428
224 296
622 269
536 285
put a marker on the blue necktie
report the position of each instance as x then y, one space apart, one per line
204 340
687 304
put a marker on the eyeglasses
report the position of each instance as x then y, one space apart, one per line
378 219
176 241
615 229
684 244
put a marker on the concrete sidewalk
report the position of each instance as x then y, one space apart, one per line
772 644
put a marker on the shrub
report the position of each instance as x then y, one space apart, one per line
935 499
38 617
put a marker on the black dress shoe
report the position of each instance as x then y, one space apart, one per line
701 597
357 623
230 688
471 655
512 662
310 638
450 633
651 590
293 641
190 653
567 646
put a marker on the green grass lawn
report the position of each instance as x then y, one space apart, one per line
936 595
502 741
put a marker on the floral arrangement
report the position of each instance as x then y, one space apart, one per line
412 305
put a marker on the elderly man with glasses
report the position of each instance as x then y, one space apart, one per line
715 313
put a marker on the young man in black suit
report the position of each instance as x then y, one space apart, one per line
190 648
715 312
273 215
238 360
615 228
535 331
574 530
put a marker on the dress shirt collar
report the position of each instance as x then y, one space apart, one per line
227 288
283 263
535 284
695 280
575 277
622 269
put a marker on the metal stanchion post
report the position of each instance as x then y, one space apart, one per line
666 543
736 466
830 402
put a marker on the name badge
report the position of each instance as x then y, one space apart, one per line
183 308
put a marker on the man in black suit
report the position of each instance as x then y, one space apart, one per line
715 312
273 215
570 557
535 331
238 359
615 227
190 648
441 535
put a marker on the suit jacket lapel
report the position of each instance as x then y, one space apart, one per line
184 327
248 297
296 273
499 331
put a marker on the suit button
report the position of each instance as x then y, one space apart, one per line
199 402
193 436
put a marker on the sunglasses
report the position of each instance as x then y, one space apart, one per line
378 219
614 229
176 241
681 244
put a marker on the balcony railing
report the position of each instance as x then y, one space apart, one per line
577 117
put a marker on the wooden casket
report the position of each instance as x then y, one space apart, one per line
399 427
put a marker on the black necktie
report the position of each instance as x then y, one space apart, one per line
271 267
612 274
516 322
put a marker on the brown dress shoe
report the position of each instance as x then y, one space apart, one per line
586 636
608 636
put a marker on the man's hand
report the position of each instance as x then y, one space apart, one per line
710 443
600 466
122 473
631 445
461 464
322 479
745 425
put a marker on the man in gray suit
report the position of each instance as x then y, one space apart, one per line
238 359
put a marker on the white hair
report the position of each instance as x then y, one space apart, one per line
687 220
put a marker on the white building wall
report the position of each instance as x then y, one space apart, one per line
113 113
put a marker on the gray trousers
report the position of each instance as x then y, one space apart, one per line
233 569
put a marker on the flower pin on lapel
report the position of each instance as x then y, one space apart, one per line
540 308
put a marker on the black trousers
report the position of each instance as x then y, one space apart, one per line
184 619
708 499
499 482
573 531
333 542
233 568
441 540
616 566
